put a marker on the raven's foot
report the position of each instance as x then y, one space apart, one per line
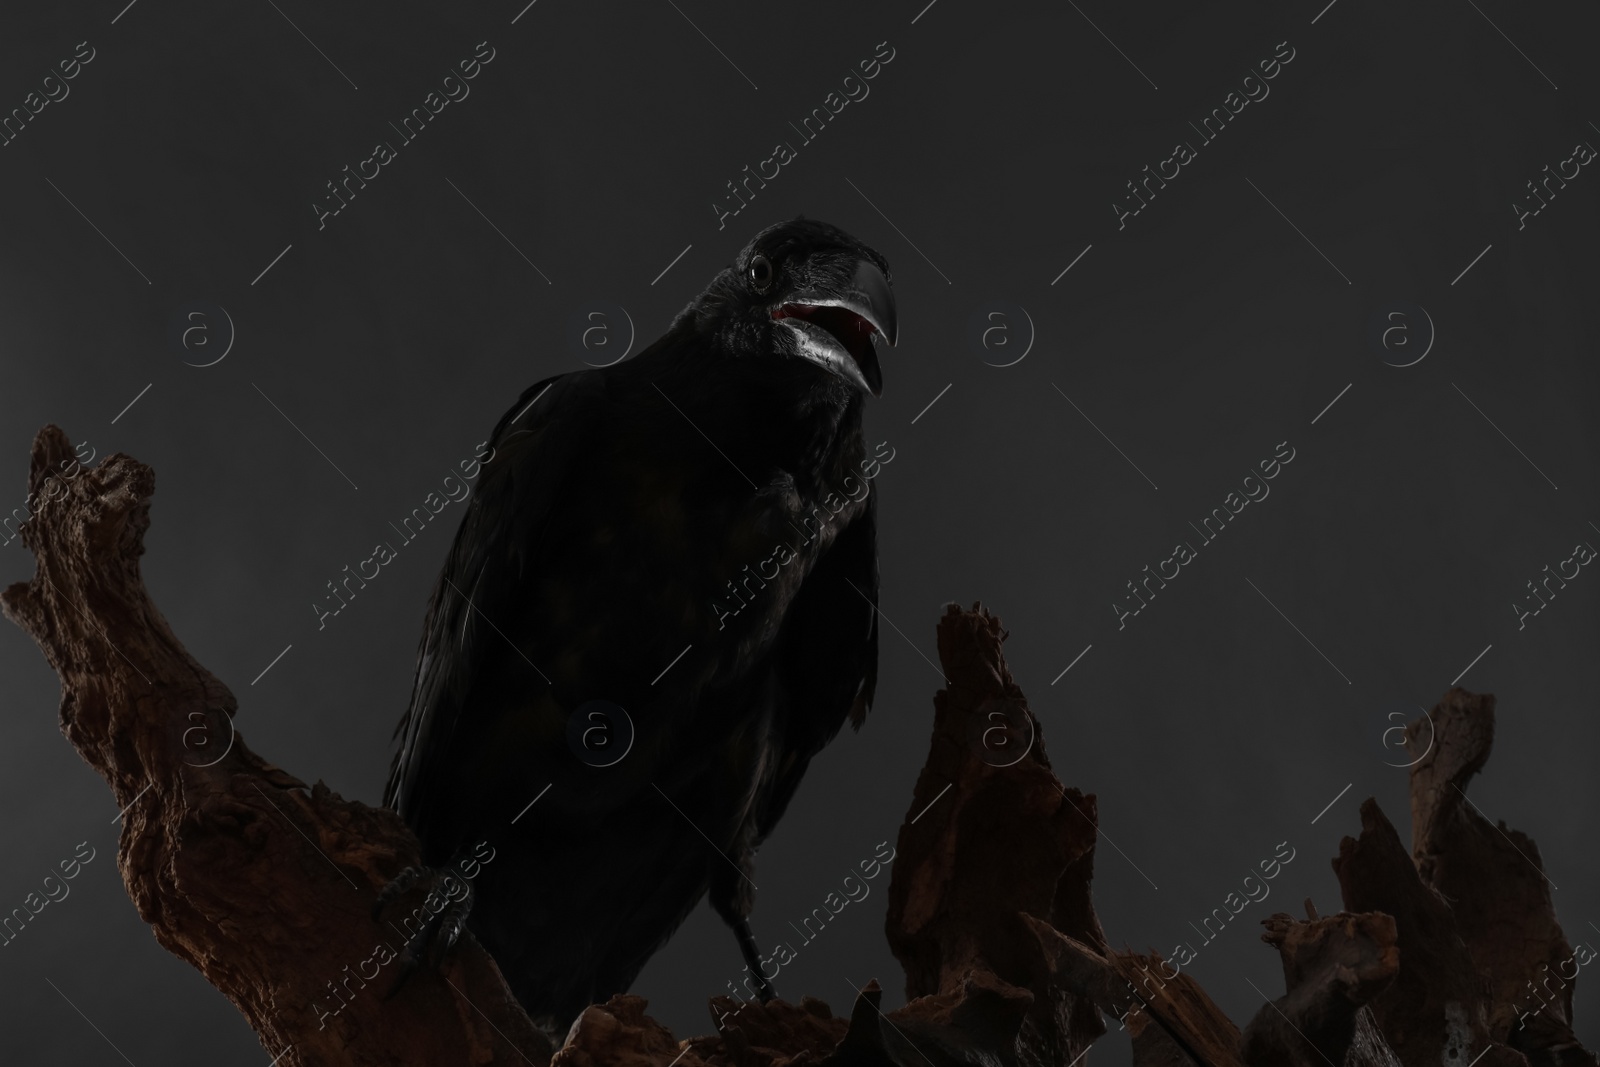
433 927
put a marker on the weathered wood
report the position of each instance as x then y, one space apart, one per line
1169 1017
992 839
266 885
1495 882
263 885
1436 1010
1332 967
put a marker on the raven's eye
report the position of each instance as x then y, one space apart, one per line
760 273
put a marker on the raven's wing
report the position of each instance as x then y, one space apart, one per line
827 659
535 445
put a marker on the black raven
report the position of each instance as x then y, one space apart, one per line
687 536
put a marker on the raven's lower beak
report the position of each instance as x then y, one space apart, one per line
835 326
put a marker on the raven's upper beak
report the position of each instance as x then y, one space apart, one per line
835 325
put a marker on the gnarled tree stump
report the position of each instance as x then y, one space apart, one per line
266 886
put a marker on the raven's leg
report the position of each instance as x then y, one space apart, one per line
752 958
731 897
442 914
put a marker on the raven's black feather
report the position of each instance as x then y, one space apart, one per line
598 545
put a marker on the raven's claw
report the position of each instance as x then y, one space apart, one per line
434 926
396 888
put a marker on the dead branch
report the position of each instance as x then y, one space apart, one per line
1332 968
990 904
263 885
1437 1007
992 840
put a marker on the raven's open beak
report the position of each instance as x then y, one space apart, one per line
835 326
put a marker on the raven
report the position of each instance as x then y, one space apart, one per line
677 555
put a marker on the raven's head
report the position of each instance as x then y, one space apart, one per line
806 290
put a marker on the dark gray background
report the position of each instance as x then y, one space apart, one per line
1197 338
